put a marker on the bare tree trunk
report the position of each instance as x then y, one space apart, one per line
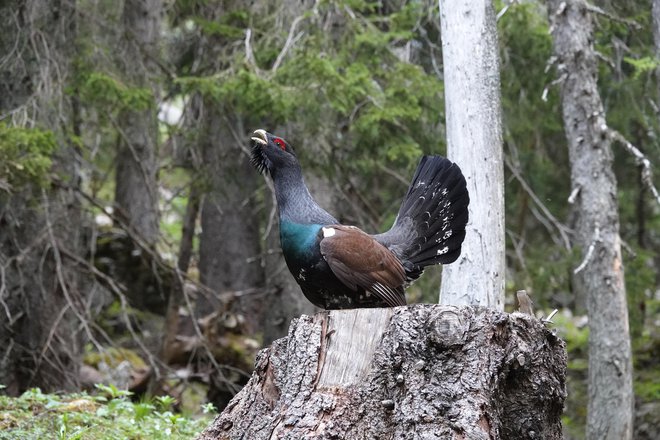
416 372
655 14
600 274
41 291
474 142
178 321
136 190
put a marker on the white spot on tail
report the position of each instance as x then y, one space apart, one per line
328 232
443 251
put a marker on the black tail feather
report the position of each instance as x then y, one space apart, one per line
430 226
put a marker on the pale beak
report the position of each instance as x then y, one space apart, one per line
260 137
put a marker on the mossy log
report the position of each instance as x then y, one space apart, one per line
414 372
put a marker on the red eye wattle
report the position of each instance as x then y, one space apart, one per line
280 143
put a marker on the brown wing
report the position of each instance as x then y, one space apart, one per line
360 261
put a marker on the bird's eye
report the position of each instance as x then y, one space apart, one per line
280 143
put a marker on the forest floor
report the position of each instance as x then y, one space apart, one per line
110 414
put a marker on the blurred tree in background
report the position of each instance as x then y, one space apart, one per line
43 289
126 194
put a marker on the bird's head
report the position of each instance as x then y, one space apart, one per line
270 152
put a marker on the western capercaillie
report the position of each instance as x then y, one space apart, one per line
341 267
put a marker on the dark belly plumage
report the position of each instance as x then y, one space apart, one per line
323 289
300 246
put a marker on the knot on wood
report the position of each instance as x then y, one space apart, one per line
446 327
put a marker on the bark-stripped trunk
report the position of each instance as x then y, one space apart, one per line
416 372
136 190
41 288
597 231
474 142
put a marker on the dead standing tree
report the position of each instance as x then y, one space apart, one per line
423 371
474 141
600 275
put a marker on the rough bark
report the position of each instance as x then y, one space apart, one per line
600 275
415 372
474 142
136 190
41 290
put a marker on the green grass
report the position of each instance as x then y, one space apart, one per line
110 415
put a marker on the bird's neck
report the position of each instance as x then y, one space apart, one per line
294 201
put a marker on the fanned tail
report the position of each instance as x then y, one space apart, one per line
430 226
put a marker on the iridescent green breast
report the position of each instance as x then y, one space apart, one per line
299 243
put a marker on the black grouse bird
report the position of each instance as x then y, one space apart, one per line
342 267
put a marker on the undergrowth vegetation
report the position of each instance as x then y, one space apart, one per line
109 414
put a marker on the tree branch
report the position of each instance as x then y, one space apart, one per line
561 228
290 41
590 251
641 159
599 11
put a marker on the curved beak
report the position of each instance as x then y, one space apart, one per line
260 136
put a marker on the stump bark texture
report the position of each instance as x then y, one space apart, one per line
414 372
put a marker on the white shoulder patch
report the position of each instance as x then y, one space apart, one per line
328 232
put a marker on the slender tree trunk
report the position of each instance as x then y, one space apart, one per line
655 14
41 290
474 142
416 372
178 321
600 274
136 189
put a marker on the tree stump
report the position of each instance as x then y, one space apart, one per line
414 372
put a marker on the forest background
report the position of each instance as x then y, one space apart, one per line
138 247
